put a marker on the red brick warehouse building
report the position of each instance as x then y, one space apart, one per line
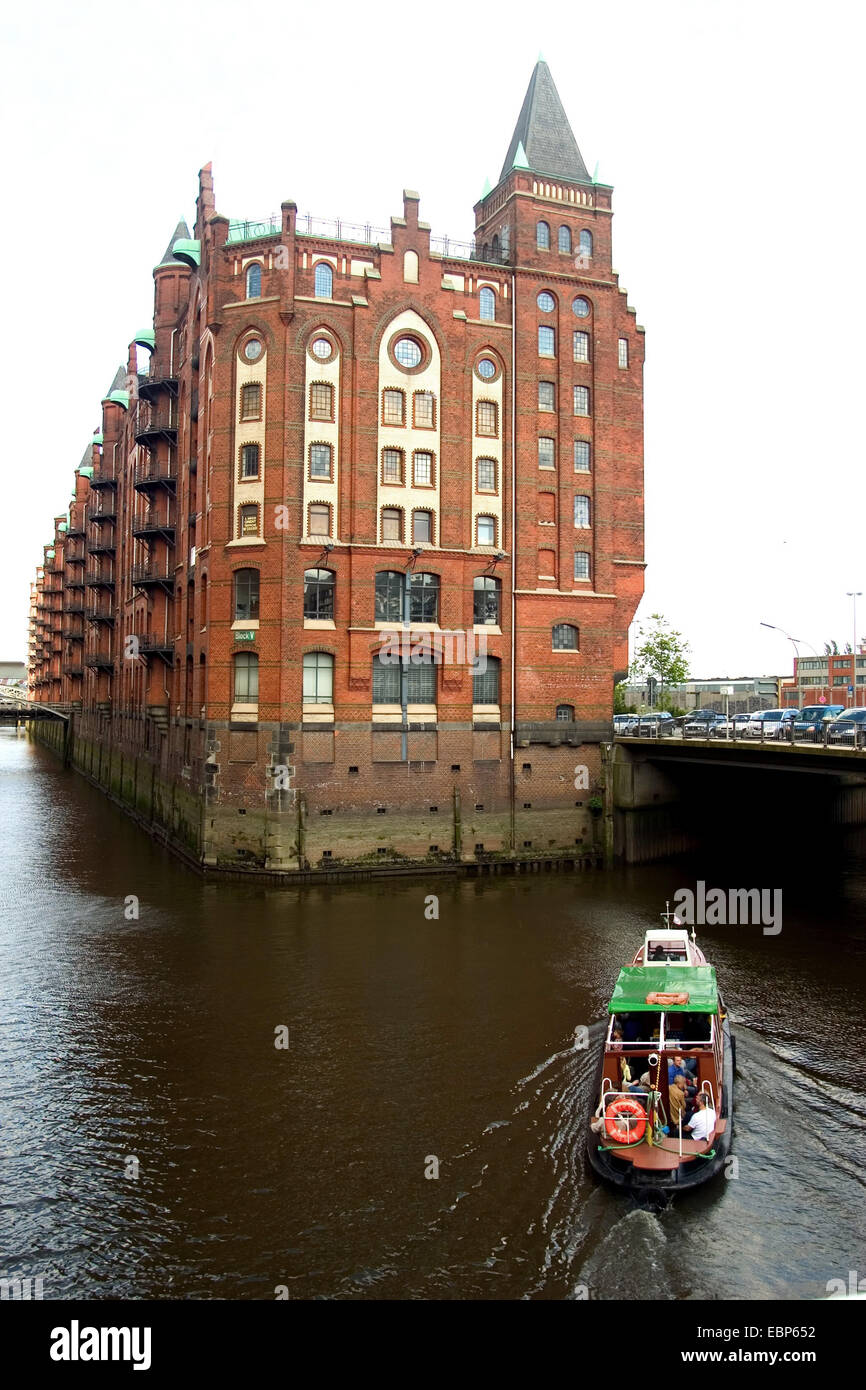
331 435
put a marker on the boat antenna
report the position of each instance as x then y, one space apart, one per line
667 914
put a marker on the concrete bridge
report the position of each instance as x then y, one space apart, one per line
670 795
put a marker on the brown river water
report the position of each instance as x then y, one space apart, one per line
156 1143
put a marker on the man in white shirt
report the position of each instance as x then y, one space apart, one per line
703 1122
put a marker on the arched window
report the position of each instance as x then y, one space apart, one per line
324 280
564 239
424 598
246 595
485 530
565 713
410 267
389 597
582 564
318 678
486 597
494 248
254 282
565 637
485 682
392 524
486 304
586 243
386 679
320 519
318 594
542 236
246 678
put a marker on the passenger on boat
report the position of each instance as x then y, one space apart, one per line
686 1067
678 1100
703 1122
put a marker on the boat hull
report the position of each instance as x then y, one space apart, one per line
622 1174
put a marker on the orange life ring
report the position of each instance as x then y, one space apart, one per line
625 1121
666 1000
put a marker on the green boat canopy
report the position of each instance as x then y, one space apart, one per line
637 981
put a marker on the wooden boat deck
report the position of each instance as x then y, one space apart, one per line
650 1156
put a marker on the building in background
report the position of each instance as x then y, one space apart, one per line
342 464
737 695
833 679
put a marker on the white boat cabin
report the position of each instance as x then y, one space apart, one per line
668 946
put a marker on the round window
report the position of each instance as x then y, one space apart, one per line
546 302
486 369
407 352
252 349
581 307
322 349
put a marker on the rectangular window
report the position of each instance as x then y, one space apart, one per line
392 524
250 461
623 352
581 564
422 469
546 341
251 401
321 401
422 527
249 520
546 395
581 511
485 684
421 684
581 346
425 410
546 453
320 461
393 407
486 475
320 519
581 455
318 685
386 683
581 400
486 530
392 465
487 419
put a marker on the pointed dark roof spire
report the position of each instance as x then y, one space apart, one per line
181 230
543 130
118 382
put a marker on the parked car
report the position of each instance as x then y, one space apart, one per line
656 724
782 729
703 723
736 723
811 721
766 721
849 727
622 723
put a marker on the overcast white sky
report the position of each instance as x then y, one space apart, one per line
733 136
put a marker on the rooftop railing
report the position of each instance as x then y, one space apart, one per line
364 234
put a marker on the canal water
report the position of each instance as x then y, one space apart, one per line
157 1144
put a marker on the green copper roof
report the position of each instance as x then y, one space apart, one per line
97 438
637 981
145 338
486 189
120 398
63 525
188 250
520 161
49 552
86 472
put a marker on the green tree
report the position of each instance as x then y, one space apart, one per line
661 655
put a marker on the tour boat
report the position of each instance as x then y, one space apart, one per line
666 1005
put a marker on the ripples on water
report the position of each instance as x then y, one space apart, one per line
410 1038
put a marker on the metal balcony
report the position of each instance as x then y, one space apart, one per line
99 661
103 477
103 545
96 580
150 528
104 508
153 473
98 613
76 606
151 577
154 423
76 582
157 381
163 647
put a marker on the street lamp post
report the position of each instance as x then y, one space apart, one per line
853 595
794 641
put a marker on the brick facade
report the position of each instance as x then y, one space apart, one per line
464 419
